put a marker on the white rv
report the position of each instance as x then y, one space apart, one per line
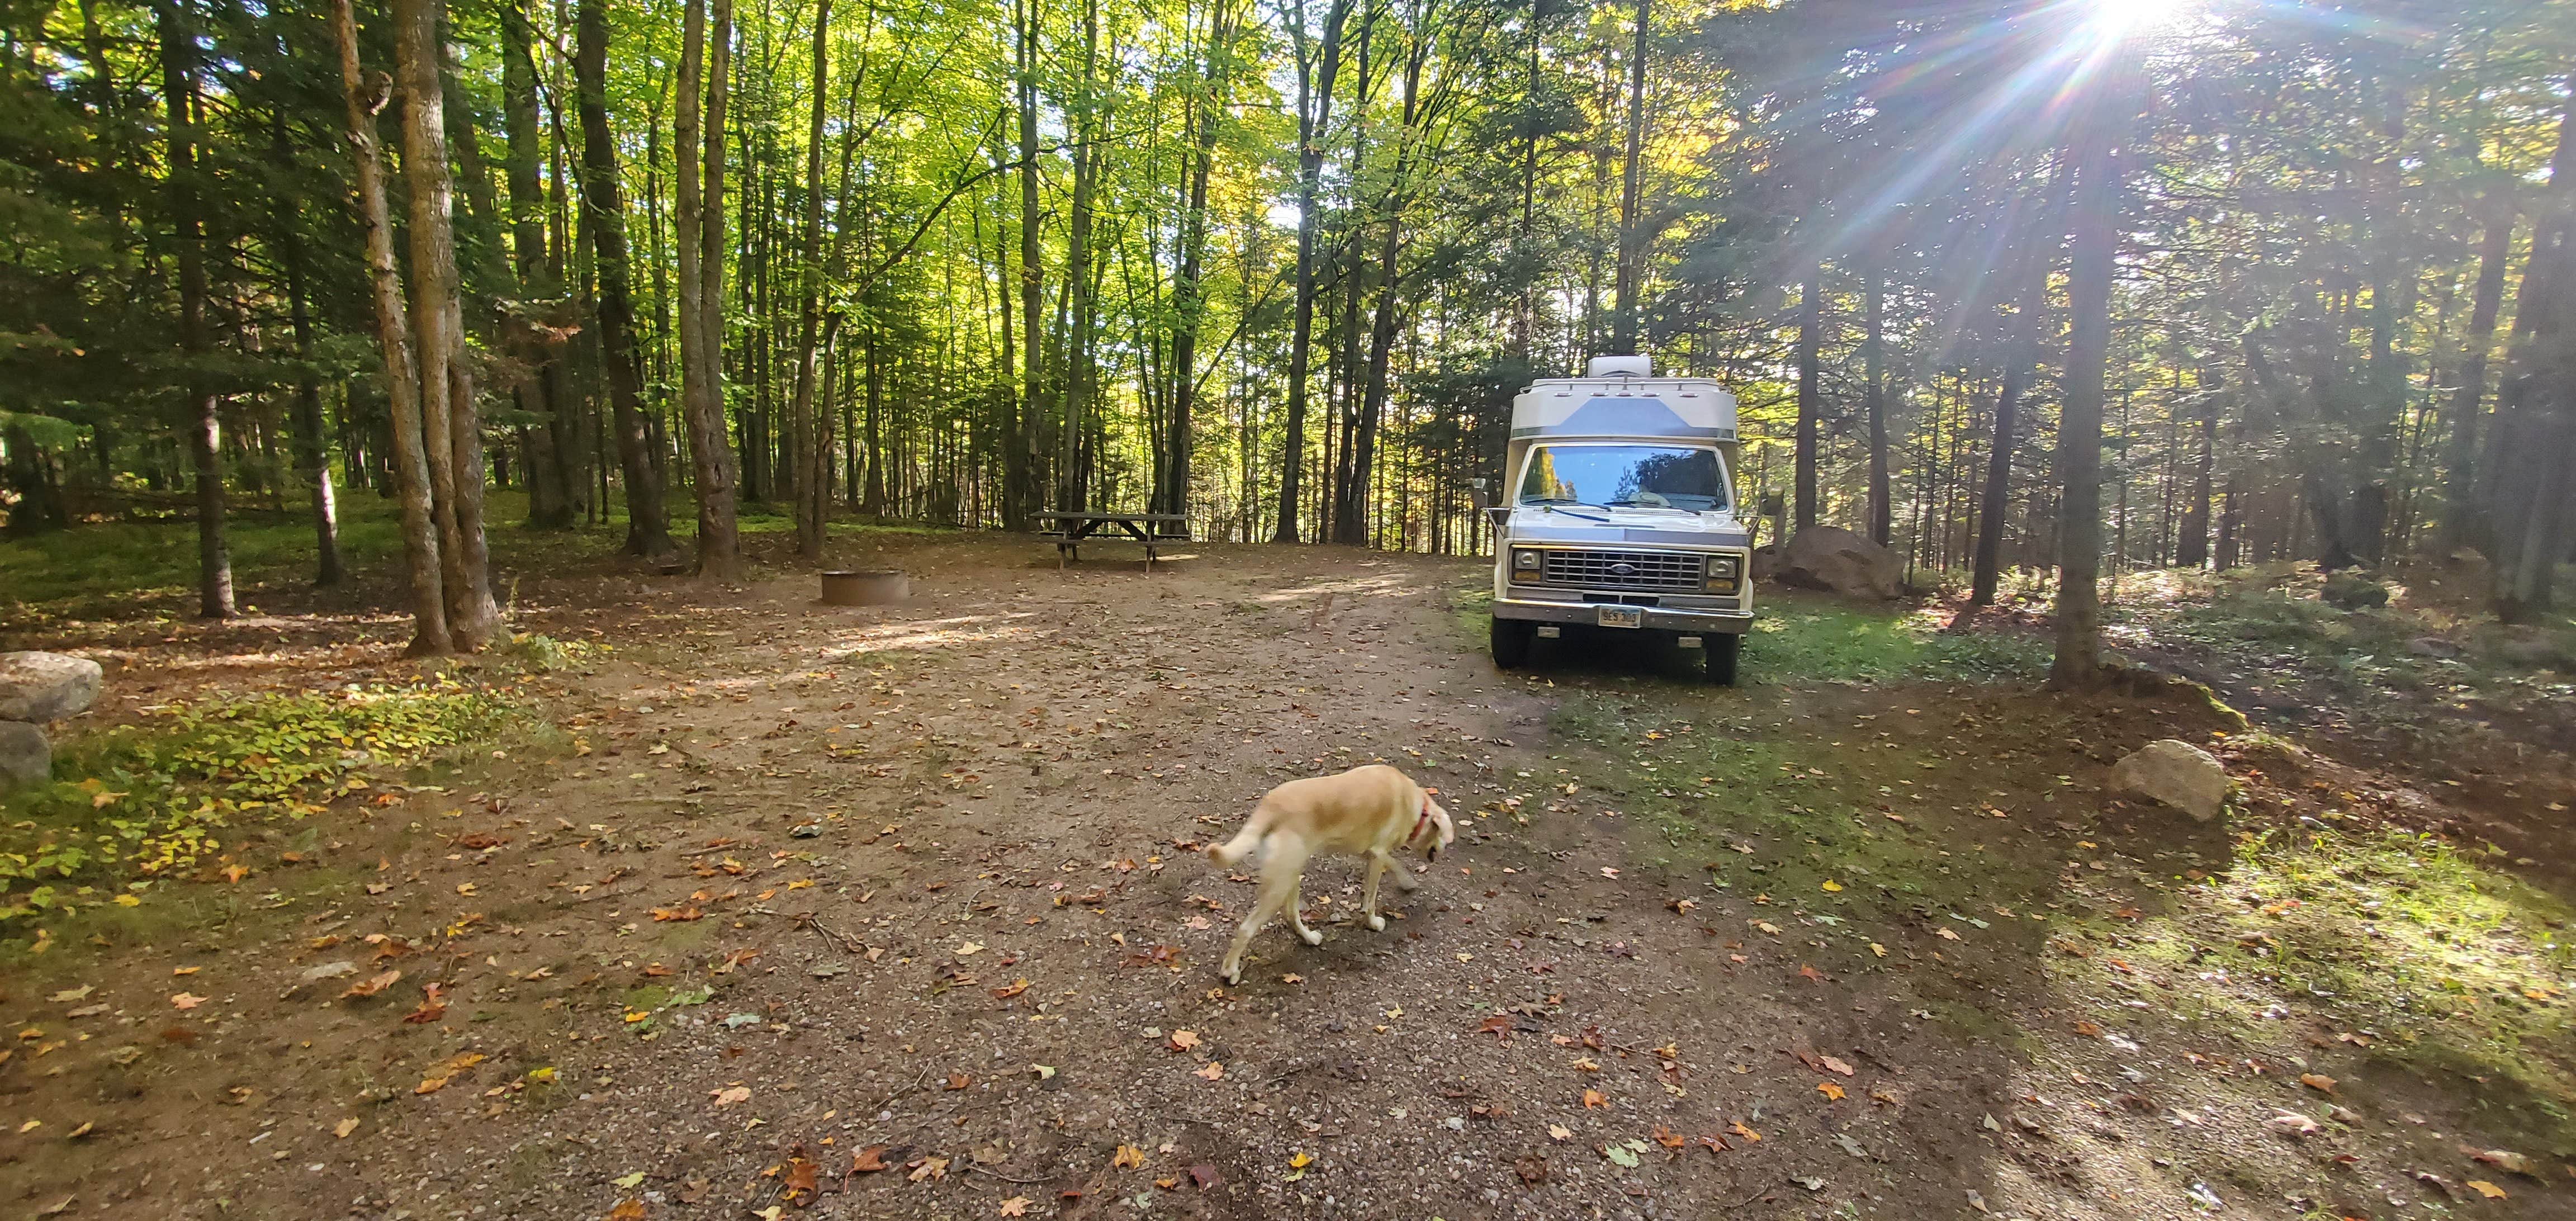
1618 514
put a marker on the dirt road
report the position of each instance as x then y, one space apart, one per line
900 912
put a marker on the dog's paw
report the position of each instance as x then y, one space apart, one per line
1231 975
1310 936
1377 924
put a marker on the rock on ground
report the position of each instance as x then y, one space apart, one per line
1832 558
2174 773
41 687
24 754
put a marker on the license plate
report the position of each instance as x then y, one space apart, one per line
1622 616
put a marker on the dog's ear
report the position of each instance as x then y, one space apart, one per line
1447 831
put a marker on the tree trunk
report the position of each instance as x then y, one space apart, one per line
1020 477
2101 128
1079 256
2539 408
1172 495
550 490
2192 551
1314 114
2462 513
365 95
1873 392
312 443
2021 357
648 521
699 232
1811 325
1632 235
179 88
812 464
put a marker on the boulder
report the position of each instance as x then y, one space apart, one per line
2174 773
1835 559
25 756
41 687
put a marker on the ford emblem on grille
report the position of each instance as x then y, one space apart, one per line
1625 570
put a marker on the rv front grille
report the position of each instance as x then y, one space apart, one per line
1622 569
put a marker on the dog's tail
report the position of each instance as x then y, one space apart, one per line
1242 845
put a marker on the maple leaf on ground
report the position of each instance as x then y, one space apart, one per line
187 1000
1595 1098
682 915
800 1176
2487 1189
1810 973
868 1160
1206 1176
1834 1066
1740 1130
1716 1144
958 1081
1016 1206
2318 1082
730 1095
1127 1157
1498 1026
1017 987
629 1209
1830 1090
929 1168
1183 1040
1668 1138
1214 1071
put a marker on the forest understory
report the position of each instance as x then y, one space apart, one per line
708 901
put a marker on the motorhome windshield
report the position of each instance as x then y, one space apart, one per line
1625 476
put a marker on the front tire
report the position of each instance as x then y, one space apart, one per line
1511 642
1722 653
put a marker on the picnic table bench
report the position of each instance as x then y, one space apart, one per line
1152 529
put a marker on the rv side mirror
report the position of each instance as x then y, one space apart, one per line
1773 504
1477 497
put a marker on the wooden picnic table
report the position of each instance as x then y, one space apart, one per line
1152 529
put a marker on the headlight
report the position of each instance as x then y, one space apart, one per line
1722 571
1524 560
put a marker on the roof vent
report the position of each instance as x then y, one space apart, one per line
1619 366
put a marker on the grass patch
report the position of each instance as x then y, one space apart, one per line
2403 941
156 797
1802 641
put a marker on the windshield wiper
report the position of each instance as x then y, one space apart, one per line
1556 502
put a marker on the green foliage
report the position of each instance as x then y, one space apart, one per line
1817 641
155 797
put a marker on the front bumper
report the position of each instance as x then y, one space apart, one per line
1657 618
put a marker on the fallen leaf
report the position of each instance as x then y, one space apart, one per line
1595 1098
1016 1206
868 1160
1532 1169
1183 1040
2321 1084
2487 1189
1498 1026
2292 1121
372 986
1740 1130
629 1209
1621 1155
1832 887
343 1128
1212 1072
69 995
2505 1160
929 1168
969 949
958 1081
187 1000
1668 1138
1206 1176
1945 934
730 1095
1877 949
1834 1066
1127 1157
1830 1090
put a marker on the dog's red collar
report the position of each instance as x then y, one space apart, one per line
1420 821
